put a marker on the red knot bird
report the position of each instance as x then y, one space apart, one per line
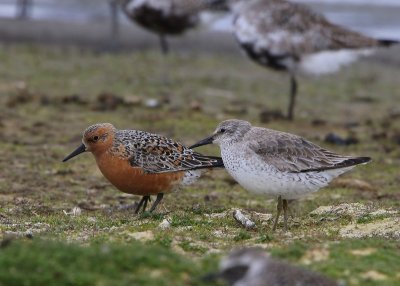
164 17
277 164
290 37
254 267
141 163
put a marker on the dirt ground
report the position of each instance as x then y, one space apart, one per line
349 231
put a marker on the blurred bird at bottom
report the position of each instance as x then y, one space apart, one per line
254 267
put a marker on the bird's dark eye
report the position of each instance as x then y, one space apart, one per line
222 130
95 138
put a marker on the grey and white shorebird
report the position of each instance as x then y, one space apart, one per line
291 37
275 163
254 267
164 17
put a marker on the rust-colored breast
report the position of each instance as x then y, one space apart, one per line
133 180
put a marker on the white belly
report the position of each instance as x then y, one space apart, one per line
327 62
258 177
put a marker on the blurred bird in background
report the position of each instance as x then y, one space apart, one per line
164 17
290 37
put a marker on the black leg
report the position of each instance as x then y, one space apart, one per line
142 201
115 27
157 201
164 64
292 100
164 44
145 203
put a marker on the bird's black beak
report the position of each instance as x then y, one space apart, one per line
206 141
79 150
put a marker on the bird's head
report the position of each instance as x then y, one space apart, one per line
96 139
227 132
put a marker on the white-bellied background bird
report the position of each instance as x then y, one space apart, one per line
290 37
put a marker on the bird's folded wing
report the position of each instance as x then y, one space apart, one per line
160 155
282 28
290 153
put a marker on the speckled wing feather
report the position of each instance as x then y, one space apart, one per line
280 28
157 154
291 153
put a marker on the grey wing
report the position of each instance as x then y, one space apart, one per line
159 155
287 29
291 153
319 33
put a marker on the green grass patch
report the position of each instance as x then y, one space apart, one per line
350 260
189 246
163 239
242 235
43 262
370 218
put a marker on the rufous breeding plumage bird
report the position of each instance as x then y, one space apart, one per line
141 163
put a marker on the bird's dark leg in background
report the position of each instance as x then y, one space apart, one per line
292 100
164 44
115 25
165 80
157 201
24 8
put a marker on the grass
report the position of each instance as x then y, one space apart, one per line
350 259
40 125
46 262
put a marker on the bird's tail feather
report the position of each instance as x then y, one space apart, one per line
208 162
355 161
350 162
